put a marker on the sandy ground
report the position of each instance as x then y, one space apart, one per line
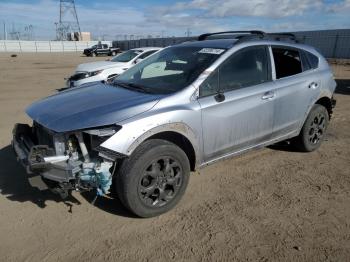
268 205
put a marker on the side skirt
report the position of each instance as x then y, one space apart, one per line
241 151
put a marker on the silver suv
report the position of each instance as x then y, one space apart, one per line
186 106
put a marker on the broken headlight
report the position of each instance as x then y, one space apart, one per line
103 132
95 137
94 73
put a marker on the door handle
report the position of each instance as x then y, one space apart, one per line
219 97
268 95
313 85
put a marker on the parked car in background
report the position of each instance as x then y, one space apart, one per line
186 106
108 70
101 49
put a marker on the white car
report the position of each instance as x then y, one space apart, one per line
108 70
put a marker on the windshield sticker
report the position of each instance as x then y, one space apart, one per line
213 51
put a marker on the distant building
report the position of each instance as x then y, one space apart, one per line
76 36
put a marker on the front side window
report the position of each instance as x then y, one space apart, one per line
247 67
287 62
210 86
126 56
170 70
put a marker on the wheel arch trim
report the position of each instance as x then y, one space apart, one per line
176 128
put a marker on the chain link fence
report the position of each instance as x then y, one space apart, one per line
46 46
331 43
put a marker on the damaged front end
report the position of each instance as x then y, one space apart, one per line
67 161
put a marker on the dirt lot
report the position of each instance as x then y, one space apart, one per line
268 205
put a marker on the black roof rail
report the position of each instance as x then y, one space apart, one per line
278 36
253 32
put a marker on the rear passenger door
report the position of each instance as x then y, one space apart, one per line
297 85
237 103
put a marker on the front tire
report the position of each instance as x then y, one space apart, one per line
153 180
93 54
314 129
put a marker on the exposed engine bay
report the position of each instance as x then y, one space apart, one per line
67 161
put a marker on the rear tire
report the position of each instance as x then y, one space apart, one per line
314 129
153 179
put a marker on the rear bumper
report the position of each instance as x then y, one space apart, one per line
35 158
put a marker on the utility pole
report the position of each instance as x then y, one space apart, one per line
5 31
188 32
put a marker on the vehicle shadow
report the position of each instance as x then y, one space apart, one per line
17 185
284 146
62 89
343 86
109 204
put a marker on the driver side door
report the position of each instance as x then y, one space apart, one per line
237 103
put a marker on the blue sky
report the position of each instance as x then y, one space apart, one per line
114 19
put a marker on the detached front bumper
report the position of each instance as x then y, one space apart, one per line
41 159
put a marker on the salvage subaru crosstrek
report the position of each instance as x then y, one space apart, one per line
186 106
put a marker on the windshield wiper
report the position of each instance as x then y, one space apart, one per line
132 86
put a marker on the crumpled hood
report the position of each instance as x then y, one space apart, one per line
90 106
100 65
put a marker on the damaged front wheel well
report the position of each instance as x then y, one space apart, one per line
182 142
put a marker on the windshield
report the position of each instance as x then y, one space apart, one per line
169 70
126 56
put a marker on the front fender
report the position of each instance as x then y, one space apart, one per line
126 141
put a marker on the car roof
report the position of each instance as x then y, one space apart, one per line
228 43
213 43
143 49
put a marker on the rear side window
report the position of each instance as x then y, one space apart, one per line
287 62
313 60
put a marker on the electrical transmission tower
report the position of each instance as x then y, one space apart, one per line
69 22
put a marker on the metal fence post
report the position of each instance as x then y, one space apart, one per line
20 46
335 46
36 47
50 46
